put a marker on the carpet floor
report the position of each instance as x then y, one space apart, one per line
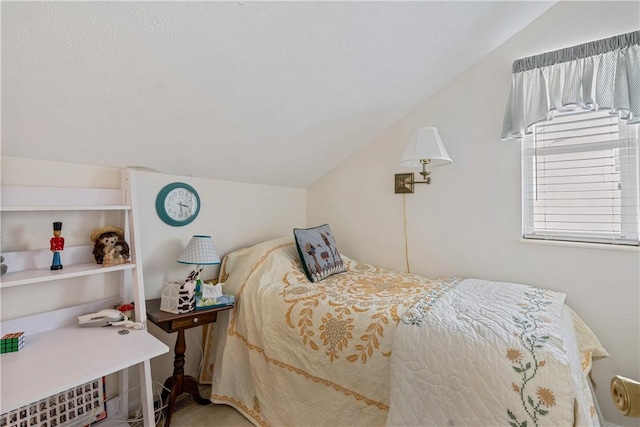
194 415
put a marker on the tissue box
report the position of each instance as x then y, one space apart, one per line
176 300
221 301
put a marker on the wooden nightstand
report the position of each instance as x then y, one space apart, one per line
180 383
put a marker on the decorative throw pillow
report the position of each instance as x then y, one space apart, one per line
318 252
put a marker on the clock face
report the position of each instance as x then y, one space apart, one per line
178 204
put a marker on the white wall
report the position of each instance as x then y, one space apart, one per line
234 214
468 222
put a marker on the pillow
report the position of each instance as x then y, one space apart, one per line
318 252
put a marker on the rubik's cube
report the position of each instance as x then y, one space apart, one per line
12 342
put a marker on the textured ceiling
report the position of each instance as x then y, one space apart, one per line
270 92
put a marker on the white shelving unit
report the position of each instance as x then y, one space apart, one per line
58 354
75 270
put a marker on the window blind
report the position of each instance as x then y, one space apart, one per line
580 179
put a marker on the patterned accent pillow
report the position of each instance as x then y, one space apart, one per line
318 252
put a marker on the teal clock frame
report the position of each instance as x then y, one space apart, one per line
160 198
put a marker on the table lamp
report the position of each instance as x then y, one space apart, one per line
200 251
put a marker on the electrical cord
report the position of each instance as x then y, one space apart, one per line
201 355
138 414
158 412
406 237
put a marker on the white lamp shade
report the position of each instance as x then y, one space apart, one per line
425 143
200 250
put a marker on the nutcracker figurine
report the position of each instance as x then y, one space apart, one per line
57 244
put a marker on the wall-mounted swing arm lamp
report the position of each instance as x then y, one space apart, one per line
425 148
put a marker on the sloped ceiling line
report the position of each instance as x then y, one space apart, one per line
271 92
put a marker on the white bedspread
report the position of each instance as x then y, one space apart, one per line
488 353
296 353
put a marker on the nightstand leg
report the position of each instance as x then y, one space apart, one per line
179 383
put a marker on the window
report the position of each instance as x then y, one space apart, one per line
580 179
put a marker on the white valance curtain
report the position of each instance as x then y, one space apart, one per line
603 74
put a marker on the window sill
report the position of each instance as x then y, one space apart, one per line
601 246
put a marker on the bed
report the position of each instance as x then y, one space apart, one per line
371 346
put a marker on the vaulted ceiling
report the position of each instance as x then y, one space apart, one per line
270 92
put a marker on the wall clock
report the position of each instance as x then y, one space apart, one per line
178 204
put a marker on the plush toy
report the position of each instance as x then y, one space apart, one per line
109 246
